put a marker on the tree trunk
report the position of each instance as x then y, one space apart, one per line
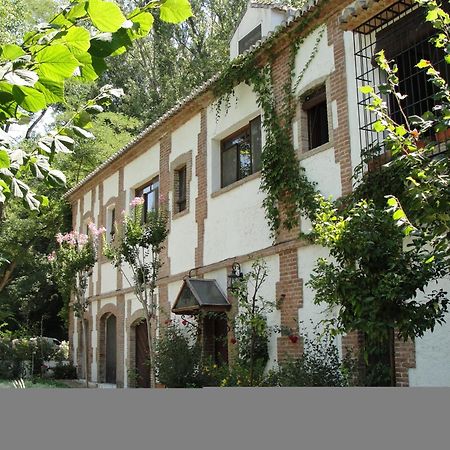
151 357
85 351
391 338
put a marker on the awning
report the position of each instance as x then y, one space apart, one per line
198 294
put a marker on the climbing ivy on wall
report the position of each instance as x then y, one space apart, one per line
288 192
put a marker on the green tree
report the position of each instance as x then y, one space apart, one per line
74 44
173 60
390 238
137 245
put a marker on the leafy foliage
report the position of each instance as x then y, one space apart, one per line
172 61
74 44
318 366
390 239
178 358
250 324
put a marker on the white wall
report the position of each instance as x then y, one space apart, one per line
236 224
110 187
182 240
109 278
140 170
323 169
433 351
311 314
320 67
267 17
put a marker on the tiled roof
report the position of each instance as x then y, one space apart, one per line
308 5
280 4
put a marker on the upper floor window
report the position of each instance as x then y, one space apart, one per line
241 153
150 193
249 39
315 106
401 31
181 189
110 223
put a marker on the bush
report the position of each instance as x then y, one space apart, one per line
65 372
21 356
319 366
238 374
177 359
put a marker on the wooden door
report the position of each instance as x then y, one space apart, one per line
111 350
142 352
215 337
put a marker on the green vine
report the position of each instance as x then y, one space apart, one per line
288 192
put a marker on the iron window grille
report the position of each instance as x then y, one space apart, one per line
402 32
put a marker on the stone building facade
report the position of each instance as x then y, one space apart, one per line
216 216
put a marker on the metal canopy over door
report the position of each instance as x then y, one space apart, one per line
111 349
142 352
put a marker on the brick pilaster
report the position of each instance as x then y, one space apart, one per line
289 293
405 359
201 205
339 94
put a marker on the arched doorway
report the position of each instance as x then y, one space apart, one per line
111 349
142 353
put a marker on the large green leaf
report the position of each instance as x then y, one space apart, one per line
88 71
29 98
108 44
4 159
56 62
53 90
142 24
77 40
56 177
11 52
175 11
105 16
77 11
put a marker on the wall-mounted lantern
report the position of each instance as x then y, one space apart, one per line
236 274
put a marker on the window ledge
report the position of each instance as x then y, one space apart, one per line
315 151
183 213
236 184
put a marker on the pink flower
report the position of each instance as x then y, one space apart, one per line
51 257
59 238
137 201
82 239
96 231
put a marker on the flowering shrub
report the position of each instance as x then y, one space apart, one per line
72 265
73 261
22 357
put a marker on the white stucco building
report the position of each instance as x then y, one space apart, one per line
208 166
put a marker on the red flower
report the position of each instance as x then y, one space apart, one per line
233 340
184 322
293 338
